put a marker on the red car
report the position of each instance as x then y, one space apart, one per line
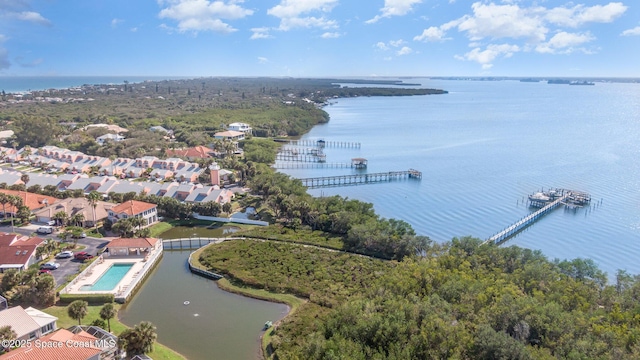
82 255
44 271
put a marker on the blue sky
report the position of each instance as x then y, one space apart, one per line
320 38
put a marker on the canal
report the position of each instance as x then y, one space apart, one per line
214 325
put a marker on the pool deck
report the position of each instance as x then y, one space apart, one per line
125 286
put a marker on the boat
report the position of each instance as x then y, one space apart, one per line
558 81
582 83
267 325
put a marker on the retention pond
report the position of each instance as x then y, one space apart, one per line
214 325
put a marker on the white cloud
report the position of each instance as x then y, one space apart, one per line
396 43
503 21
394 8
32 17
115 22
382 46
404 51
431 34
487 56
330 35
262 60
290 13
564 42
134 29
3 38
632 32
260 33
203 15
579 14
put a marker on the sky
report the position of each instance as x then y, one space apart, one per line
319 38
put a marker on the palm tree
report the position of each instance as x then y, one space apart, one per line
93 198
4 200
24 178
77 219
16 202
140 339
6 334
61 218
108 312
77 310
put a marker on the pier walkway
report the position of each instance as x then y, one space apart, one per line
359 179
322 143
311 165
525 221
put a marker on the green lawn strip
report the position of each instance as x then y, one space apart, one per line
160 352
159 228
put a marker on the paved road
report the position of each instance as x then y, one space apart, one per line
67 266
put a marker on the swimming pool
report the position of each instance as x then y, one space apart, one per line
110 278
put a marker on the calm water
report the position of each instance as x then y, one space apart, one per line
485 146
215 325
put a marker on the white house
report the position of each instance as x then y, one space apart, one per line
101 140
29 323
134 208
241 127
229 135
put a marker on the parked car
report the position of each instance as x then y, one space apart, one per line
82 255
45 230
49 266
64 255
79 236
44 271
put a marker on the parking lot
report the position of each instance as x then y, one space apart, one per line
68 266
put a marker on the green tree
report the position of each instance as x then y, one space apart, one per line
24 214
94 197
77 310
140 339
61 218
108 312
6 333
35 131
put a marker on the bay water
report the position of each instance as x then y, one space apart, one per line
485 146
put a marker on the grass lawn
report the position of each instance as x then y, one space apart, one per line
160 352
159 228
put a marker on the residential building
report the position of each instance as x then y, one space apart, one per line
133 246
134 208
17 251
229 135
101 140
192 153
73 206
86 348
31 200
28 324
241 127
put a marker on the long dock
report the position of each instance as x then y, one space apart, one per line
322 143
546 202
524 222
359 179
311 165
302 158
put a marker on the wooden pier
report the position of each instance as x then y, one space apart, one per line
359 179
311 165
546 202
318 158
322 143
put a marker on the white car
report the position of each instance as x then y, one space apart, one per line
64 255
49 266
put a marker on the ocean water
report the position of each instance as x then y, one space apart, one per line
18 84
485 146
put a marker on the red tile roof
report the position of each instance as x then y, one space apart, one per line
194 152
16 254
31 200
132 242
132 207
69 346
